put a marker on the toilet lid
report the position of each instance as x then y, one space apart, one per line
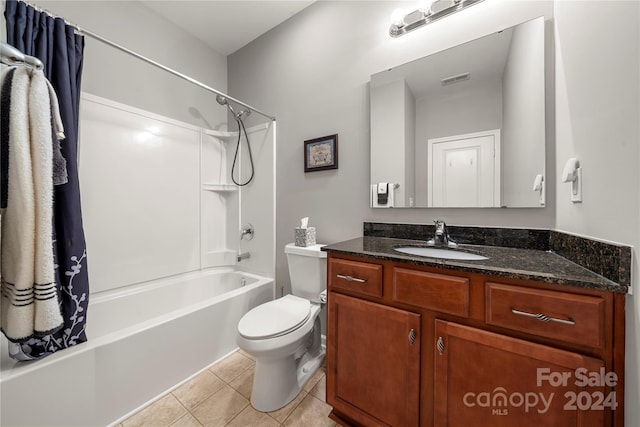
274 317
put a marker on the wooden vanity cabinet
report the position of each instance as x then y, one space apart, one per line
488 379
374 352
375 362
411 345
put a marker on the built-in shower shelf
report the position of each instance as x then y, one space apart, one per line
221 135
220 187
225 136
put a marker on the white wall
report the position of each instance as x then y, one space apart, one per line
257 201
115 75
391 140
597 106
523 117
393 124
409 147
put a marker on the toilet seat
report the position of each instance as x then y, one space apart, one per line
275 318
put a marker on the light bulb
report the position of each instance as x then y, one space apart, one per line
425 6
397 17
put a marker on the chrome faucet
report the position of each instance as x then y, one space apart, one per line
245 255
441 237
247 231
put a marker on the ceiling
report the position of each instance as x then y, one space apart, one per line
224 25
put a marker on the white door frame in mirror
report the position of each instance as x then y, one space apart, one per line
464 170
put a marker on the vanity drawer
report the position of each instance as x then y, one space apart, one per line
577 319
438 292
361 277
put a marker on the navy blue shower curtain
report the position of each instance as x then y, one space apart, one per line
61 51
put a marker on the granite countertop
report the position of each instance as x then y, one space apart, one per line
524 264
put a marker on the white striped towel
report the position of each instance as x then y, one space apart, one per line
29 298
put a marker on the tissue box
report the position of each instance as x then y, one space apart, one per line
305 236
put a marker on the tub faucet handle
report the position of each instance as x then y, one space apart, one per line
247 231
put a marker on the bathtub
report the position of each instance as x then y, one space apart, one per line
143 340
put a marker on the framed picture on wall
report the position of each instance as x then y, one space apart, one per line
321 153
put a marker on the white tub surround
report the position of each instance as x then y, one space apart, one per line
158 199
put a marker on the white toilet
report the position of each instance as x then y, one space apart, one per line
284 335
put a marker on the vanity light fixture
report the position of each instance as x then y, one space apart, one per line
427 12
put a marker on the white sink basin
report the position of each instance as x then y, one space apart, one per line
439 253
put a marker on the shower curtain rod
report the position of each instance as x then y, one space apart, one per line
170 70
93 35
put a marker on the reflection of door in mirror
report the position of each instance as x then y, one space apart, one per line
464 170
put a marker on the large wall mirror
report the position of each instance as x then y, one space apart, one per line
464 127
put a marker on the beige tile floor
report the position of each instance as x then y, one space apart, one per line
220 395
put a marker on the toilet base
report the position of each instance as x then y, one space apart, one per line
278 380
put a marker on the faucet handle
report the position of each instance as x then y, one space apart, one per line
441 235
247 231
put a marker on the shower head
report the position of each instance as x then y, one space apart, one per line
243 114
222 100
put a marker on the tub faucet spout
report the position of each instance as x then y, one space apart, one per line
242 256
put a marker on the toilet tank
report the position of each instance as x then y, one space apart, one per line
307 270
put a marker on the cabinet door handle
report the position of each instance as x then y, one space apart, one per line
351 278
412 336
440 346
543 317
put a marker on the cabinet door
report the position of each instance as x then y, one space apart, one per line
373 362
486 379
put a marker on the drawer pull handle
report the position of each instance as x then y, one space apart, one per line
412 336
440 346
543 317
351 278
